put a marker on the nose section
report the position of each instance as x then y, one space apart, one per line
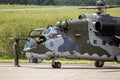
30 45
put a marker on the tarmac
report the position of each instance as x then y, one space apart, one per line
29 71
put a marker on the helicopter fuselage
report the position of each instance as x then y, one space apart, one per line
76 39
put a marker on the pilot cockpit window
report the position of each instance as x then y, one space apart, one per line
47 31
37 35
53 32
36 32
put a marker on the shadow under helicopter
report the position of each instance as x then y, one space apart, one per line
72 66
105 69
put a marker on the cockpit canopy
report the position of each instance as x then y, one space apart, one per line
36 32
41 35
53 32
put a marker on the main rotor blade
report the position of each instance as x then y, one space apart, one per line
96 7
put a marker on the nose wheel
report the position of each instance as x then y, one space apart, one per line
56 64
99 64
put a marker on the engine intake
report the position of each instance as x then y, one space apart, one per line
63 24
107 25
105 28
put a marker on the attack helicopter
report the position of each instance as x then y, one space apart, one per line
91 36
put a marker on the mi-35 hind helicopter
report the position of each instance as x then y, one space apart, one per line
91 36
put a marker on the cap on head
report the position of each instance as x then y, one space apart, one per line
16 39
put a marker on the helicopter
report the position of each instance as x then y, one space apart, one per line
91 36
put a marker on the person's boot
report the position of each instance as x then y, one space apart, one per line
17 65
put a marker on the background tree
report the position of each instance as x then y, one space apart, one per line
59 2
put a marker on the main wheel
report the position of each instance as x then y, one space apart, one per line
56 65
99 64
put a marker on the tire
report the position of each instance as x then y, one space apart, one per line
35 60
99 64
56 65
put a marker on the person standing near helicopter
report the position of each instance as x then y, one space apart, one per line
16 49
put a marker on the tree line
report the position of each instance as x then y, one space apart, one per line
59 2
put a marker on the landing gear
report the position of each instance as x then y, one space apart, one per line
56 64
99 64
34 60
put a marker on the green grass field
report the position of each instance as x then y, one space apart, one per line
63 61
18 20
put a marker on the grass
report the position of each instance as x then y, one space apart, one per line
15 23
12 60
63 61
19 23
2 6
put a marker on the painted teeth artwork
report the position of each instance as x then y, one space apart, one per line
92 36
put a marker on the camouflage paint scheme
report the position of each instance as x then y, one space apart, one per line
79 41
